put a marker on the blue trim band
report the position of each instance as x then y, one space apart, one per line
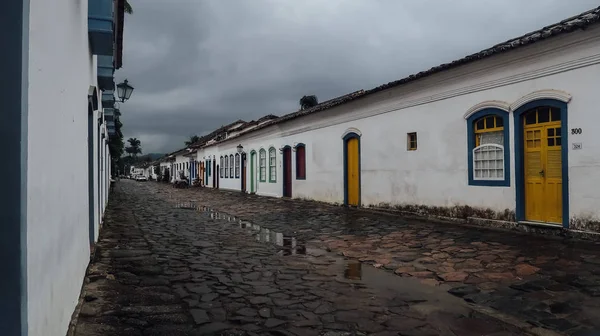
14 31
471 145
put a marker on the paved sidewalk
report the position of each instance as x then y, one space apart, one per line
546 282
167 267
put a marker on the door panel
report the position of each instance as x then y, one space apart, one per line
543 172
215 172
243 165
252 173
353 172
287 172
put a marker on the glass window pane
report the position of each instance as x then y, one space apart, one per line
551 132
480 124
489 122
551 142
499 122
558 141
558 131
543 115
530 118
555 114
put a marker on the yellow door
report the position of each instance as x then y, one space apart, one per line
353 172
543 167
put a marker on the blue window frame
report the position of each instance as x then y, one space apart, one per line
488 148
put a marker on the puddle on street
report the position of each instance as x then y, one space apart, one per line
289 245
424 299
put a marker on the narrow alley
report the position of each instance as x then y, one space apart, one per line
199 262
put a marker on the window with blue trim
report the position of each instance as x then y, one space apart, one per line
263 166
272 165
488 148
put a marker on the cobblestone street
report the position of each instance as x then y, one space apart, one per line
199 262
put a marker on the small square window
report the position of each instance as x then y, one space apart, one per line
412 141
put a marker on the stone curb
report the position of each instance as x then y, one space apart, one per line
495 225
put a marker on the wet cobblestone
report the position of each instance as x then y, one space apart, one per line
199 261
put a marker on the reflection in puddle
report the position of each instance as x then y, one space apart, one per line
186 206
353 271
289 245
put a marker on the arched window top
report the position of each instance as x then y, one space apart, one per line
271 149
497 105
540 96
351 133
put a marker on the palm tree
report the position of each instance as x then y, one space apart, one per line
193 140
135 147
307 102
128 8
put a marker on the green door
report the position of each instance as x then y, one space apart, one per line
252 173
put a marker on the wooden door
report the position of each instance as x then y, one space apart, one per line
243 167
217 184
543 166
353 172
287 172
215 172
252 172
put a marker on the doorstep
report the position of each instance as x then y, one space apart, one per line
542 225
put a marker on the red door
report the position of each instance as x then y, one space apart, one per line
287 171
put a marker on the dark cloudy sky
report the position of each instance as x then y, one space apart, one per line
199 64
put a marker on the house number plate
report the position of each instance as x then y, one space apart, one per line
577 145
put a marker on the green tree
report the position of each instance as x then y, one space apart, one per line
128 8
135 147
193 140
307 102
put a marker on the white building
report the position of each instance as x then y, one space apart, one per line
497 135
58 64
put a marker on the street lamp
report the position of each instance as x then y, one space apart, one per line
240 148
124 90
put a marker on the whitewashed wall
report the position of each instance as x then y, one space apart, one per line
204 154
58 250
434 107
183 160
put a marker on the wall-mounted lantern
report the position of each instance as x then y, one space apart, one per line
124 90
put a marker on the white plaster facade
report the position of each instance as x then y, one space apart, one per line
435 107
61 72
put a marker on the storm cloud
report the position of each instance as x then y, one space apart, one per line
200 64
